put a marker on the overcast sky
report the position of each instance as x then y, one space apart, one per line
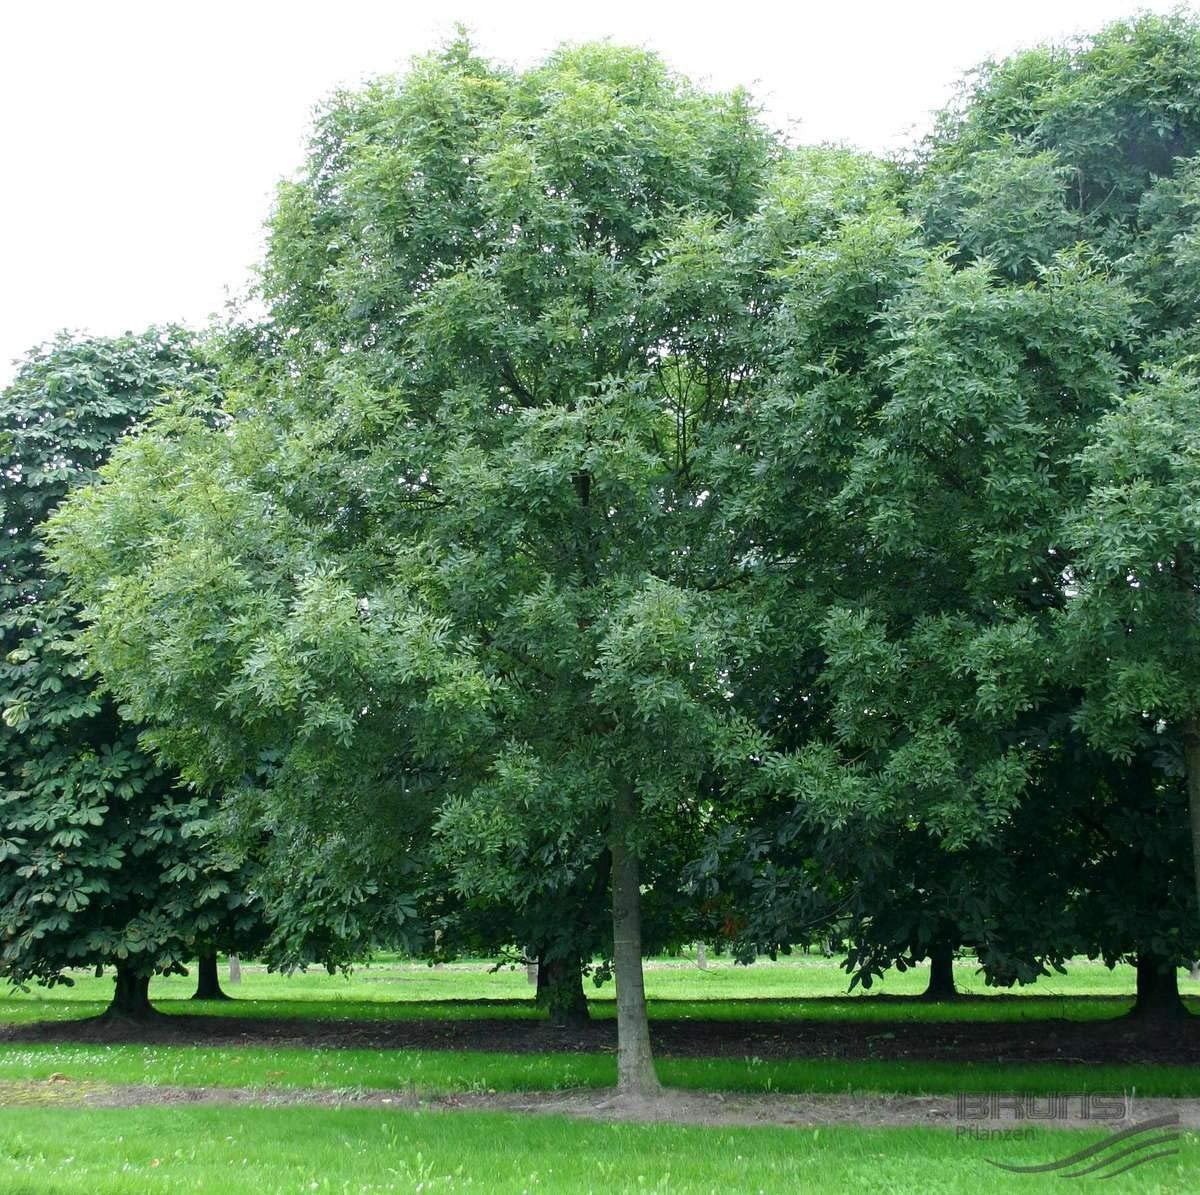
142 141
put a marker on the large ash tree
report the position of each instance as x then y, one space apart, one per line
104 861
1006 447
457 557
1109 127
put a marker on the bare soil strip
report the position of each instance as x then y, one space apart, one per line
675 1107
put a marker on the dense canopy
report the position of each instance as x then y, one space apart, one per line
619 502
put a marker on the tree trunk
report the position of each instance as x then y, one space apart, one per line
941 973
1194 973
208 982
560 992
1157 990
131 996
635 1063
1191 761
235 969
701 956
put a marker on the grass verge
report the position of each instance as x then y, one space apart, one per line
390 980
440 1072
26 1010
142 1151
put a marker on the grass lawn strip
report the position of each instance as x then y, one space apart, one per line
393 981
270 1151
441 1072
18 1010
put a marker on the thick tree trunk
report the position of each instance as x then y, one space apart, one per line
560 992
131 996
1191 760
1157 990
1194 972
941 973
208 982
635 1063
701 956
235 969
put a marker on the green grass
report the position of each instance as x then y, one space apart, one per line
142 1151
49 1148
830 1008
444 1071
666 978
796 987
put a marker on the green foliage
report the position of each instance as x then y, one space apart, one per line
1115 110
598 444
102 858
1131 622
454 567
944 511
1007 204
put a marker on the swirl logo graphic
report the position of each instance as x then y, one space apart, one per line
1117 1153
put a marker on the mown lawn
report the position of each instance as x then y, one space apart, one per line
50 1148
17 1011
141 1151
795 987
444 1071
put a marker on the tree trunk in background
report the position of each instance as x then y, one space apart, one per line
1191 761
208 982
941 973
235 969
635 1063
1157 990
1194 973
701 956
560 992
131 996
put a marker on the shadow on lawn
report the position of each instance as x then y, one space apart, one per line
1111 1040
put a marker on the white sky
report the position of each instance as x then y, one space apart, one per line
142 141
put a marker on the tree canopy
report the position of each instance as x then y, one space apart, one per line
106 861
619 498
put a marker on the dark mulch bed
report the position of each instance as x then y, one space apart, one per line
1119 1040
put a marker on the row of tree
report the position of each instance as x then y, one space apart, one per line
627 528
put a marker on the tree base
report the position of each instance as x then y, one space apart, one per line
941 973
208 980
560 993
133 1016
639 1105
1155 1013
131 998
938 995
1158 1001
565 1022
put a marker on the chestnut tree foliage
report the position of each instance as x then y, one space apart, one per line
104 860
